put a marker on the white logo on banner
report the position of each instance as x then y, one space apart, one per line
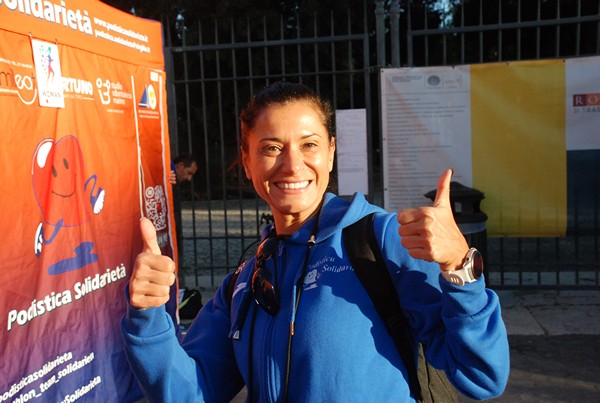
48 74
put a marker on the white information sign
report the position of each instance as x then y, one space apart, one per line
352 163
426 120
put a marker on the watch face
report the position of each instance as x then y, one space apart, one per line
477 263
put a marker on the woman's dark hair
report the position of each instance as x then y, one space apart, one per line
280 93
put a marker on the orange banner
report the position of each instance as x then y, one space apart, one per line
85 154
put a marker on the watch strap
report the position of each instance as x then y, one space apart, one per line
465 274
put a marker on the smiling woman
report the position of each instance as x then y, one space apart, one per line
283 322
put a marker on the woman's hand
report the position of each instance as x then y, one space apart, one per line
153 274
430 233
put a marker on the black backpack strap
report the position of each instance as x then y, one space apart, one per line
426 383
231 286
365 256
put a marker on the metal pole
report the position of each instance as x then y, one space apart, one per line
395 32
380 31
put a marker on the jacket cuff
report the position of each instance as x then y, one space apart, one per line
146 322
466 300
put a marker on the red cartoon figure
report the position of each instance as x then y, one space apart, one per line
57 174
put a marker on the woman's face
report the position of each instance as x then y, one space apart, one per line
289 159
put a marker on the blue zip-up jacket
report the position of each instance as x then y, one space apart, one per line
340 351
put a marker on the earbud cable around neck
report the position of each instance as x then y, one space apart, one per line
297 293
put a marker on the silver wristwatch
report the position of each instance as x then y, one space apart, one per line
470 271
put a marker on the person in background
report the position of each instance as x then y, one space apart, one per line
183 168
300 326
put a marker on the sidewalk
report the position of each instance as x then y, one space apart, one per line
554 345
551 313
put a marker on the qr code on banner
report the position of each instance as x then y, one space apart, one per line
156 206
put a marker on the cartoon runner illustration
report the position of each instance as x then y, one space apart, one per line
57 175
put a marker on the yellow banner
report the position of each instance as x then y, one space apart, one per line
519 146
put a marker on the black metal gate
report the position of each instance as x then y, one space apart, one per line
502 30
213 67
210 80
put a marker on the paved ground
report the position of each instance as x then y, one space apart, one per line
553 369
555 346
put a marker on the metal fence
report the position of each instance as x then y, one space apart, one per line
212 74
214 66
494 31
